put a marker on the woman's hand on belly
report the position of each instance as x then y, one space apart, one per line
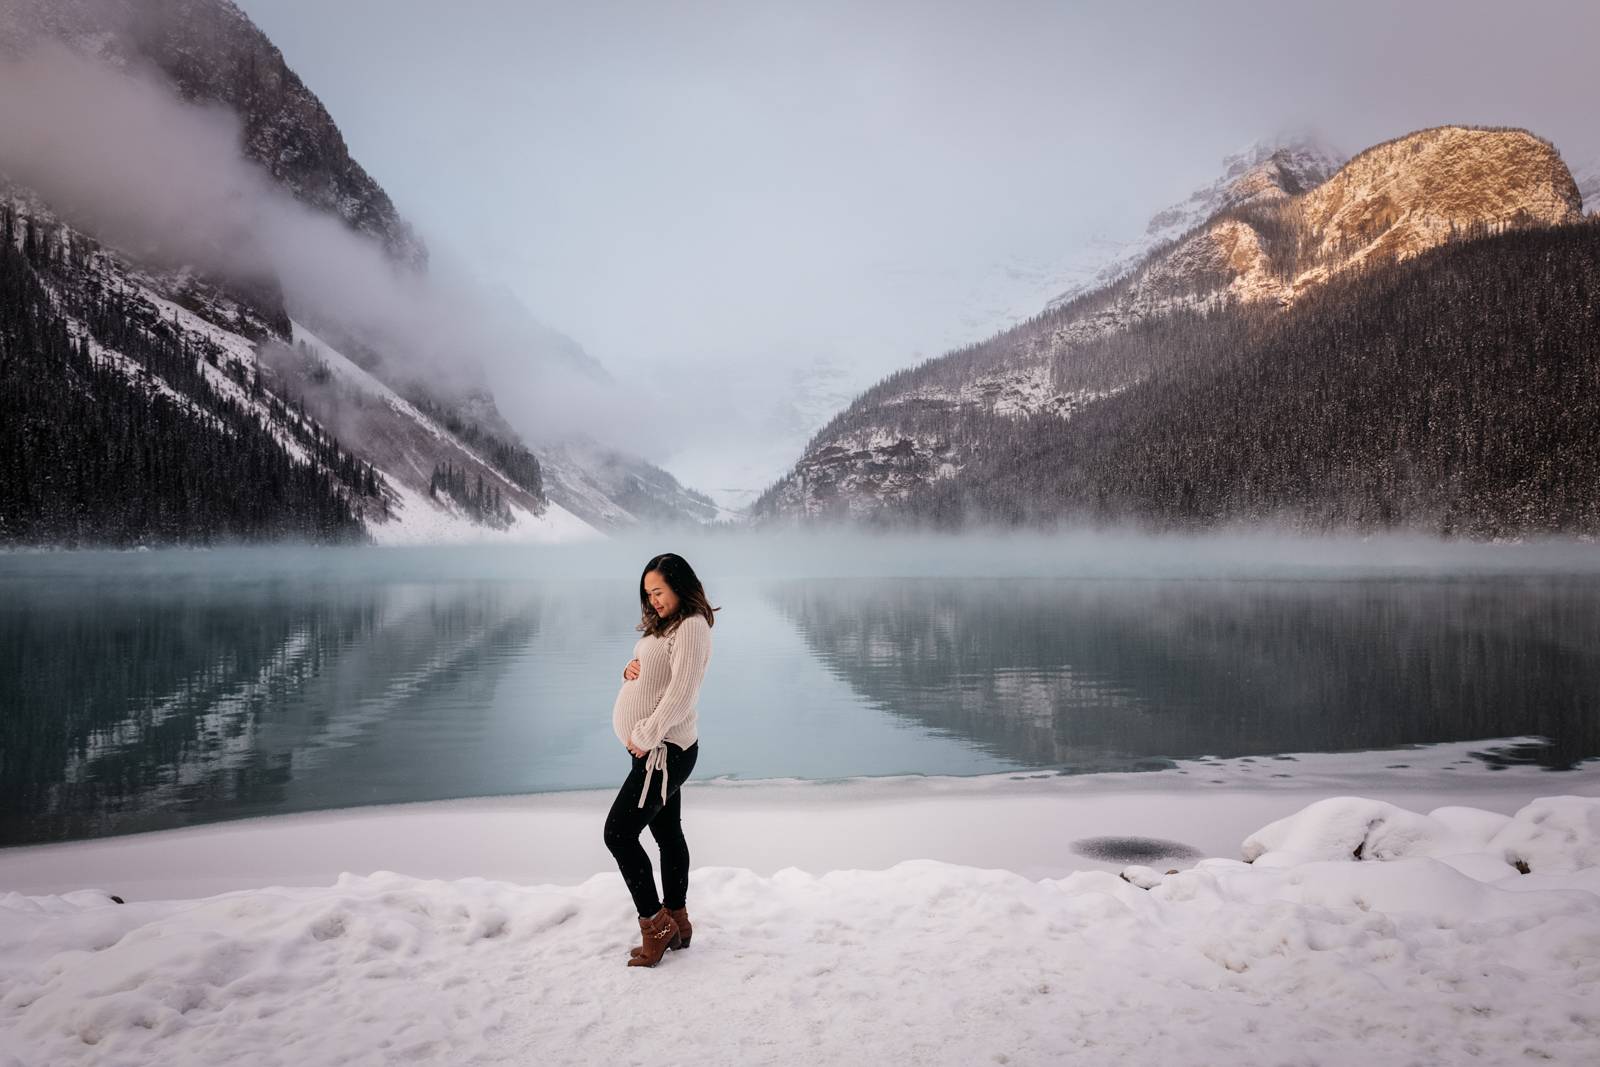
631 671
635 750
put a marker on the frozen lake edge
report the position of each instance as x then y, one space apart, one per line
1024 822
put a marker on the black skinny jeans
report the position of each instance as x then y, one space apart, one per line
627 820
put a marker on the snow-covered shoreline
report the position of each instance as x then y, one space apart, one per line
1024 822
927 920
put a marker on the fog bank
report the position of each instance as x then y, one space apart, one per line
119 155
1068 552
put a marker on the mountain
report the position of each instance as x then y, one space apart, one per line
179 413
1264 172
210 50
1587 177
115 428
613 490
924 307
400 432
1274 242
1449 393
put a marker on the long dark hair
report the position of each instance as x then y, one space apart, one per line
685 585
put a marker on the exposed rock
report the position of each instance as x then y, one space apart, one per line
1266 171
1143 877
1387 204
1407 195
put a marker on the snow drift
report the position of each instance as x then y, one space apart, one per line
1431 945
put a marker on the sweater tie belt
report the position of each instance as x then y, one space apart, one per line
656 760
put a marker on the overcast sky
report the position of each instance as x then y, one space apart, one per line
739 189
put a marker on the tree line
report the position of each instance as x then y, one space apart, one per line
483 502
1456 393
95 453
510 458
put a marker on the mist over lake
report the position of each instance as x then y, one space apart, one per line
145 690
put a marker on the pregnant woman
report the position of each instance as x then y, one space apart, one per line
655 718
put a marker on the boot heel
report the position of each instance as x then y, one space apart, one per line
685 929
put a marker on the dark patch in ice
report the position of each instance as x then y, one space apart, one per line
1520 754
1111 763
1154 763
1133 849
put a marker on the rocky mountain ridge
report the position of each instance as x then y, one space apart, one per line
1275 238
436 464
1267 170
210 51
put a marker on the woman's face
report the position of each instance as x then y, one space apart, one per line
662 598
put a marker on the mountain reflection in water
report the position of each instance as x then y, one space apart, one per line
1115 675
143 694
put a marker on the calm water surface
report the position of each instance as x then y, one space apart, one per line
137 696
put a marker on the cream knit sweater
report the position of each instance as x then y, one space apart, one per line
658 706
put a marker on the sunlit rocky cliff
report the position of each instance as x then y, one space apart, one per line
1279 234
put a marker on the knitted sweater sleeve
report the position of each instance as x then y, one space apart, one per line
691 651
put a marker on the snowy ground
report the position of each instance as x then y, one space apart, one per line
417 520
910 920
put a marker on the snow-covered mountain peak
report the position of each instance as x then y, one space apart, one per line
1268 168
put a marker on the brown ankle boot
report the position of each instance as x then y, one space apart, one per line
681 938
658 932
681 917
